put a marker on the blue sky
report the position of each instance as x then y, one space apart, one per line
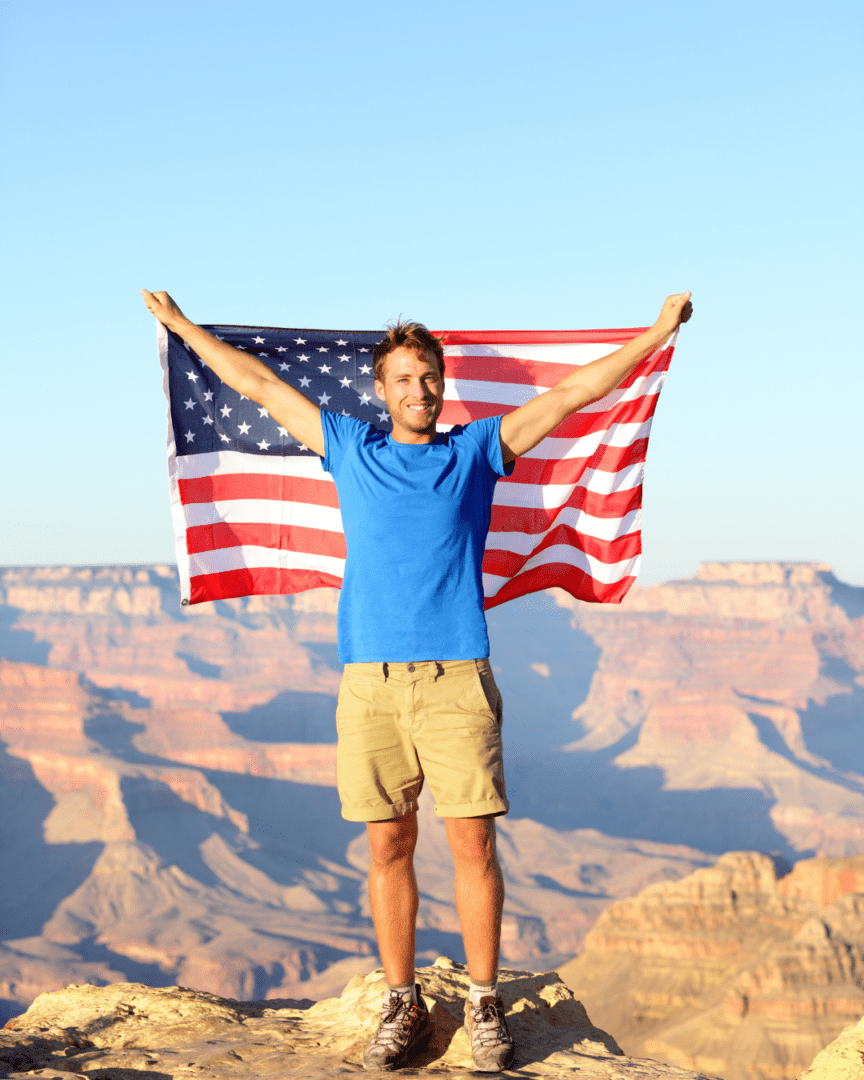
475 165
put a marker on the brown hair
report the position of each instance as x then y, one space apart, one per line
408 335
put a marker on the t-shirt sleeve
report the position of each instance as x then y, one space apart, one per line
340 432
487 432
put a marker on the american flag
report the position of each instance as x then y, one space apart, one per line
254 512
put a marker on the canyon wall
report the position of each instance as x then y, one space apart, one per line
168 773
734 970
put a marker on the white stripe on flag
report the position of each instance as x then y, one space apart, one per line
253 557
225 462
599 528
265 511
571 355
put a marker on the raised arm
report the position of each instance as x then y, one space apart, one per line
525 427
245 374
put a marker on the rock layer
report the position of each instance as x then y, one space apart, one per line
734 970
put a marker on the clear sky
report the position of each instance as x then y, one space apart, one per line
475 165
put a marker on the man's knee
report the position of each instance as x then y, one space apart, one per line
472 840
392 842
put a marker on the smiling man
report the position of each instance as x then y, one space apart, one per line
418 702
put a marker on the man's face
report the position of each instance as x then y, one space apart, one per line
413 391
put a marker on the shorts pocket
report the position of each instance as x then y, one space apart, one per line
488 688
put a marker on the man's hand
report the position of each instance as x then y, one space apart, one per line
244 373
676 309
166 311
523 428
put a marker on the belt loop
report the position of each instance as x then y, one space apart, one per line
385 670
439 670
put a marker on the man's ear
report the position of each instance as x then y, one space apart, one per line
379 390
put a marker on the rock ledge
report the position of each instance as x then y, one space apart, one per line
128 1031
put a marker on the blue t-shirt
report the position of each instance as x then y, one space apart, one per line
415 518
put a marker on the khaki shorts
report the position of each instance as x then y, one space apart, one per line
399 724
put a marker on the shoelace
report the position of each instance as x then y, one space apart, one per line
487 1023
401 1023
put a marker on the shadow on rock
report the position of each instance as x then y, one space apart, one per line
292 716
35 876
587 790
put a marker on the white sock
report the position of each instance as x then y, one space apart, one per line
406 991
479 990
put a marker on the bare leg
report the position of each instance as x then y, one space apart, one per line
393 894
479 892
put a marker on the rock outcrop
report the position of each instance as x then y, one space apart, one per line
735 970
843 1059
128 1030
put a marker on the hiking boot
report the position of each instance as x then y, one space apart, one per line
404 1028
491 1044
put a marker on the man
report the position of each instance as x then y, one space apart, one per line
418 700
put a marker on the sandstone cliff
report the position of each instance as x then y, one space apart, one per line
749 679
734 969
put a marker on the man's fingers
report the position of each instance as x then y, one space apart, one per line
686 311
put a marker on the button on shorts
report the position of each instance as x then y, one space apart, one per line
401 724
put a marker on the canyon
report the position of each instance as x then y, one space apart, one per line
745 969
168 797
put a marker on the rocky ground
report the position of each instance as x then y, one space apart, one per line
130 1032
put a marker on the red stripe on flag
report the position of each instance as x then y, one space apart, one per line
255 534
460 412
503 563
623 412
506 369
561 576
537 519
580 423
569 470
267 581
513 369
539 337
225 486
